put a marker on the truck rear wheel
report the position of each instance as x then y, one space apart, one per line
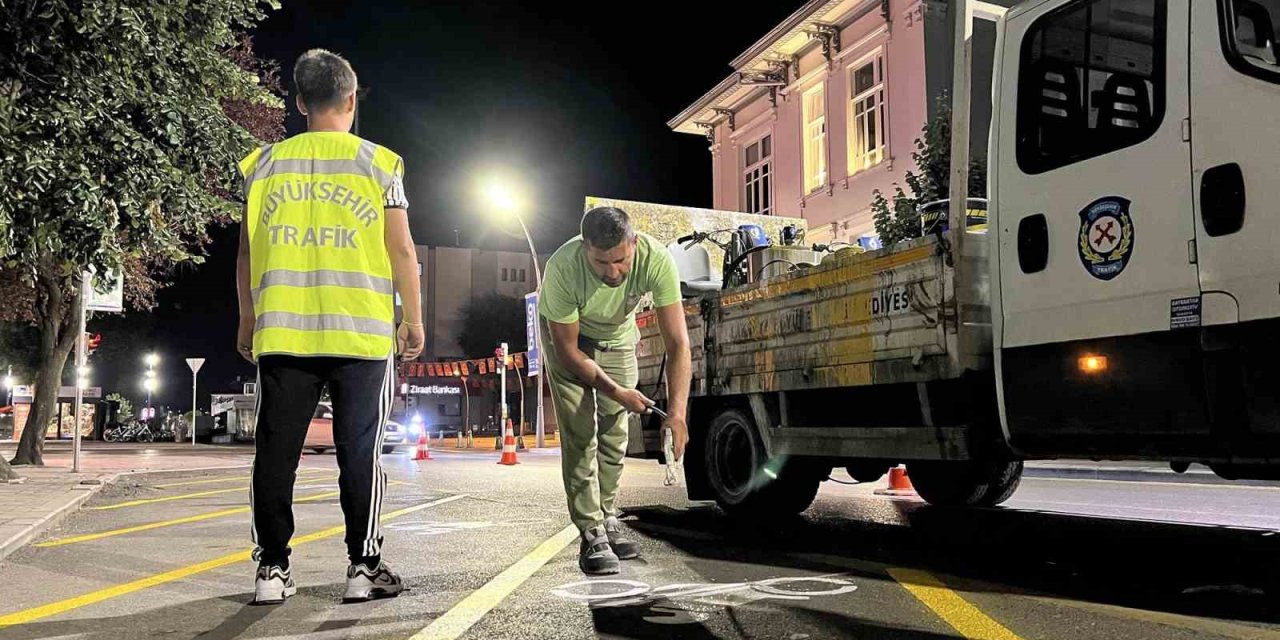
970 483
866 471
748 483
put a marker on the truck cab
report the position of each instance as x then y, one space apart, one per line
1131 161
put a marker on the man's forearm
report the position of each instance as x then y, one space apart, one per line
679 375
243 291
590 373
404 270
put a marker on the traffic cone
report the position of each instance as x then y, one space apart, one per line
509 447
423 450
899 483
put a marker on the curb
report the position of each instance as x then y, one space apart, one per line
1134 475
20 540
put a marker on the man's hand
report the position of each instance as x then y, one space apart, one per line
679 434
632 400
244 338
411 339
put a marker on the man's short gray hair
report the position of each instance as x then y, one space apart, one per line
323 79
606 227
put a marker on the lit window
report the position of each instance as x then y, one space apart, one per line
867 115
815 138
756 178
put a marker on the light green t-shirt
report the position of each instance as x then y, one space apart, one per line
572 292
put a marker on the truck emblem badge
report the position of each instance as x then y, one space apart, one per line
1106 237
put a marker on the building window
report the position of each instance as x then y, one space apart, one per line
1091 81
523 275
867 111
757 158
504 274
815 138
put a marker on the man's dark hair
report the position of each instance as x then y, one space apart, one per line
323 79
606 227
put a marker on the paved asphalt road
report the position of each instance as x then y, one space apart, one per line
483 548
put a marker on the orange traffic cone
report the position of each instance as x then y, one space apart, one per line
423 450
899 483
509 447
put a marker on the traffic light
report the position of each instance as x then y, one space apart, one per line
92 343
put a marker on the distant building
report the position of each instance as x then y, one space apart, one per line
825 109
453 276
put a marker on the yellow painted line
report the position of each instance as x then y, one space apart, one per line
94 597
965 618
226 479
466 614
89 537
199 494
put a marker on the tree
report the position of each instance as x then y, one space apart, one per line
488 320
900 219
121 123
125 412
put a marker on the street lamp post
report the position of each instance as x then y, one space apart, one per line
537 334
149 382
503 199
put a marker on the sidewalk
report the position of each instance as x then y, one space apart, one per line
487 443
45 495
1127 471
40 500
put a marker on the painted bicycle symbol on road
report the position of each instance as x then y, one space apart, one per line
607 593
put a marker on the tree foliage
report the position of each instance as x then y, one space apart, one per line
488 320
899 219
121 122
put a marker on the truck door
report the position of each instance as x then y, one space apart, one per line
1093 202
1235 134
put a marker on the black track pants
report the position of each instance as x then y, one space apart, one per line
289 389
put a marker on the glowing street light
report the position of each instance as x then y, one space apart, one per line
505 199
152 360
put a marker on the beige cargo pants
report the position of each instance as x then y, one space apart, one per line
593 433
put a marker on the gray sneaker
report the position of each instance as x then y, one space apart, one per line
272 585
595 556
365 584
626 548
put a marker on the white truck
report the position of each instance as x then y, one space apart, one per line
1123 305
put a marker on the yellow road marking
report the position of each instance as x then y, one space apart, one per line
465 614
168 523
199 494
965 618
88 537
62 606
226 479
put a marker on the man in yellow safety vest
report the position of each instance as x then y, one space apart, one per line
324 248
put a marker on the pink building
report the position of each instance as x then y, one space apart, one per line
825 109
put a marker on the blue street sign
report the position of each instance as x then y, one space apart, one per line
531 331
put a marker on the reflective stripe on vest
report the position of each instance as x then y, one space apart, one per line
320 270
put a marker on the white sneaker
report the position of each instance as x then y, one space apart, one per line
273 585
365 584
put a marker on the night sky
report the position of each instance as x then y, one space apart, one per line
568 99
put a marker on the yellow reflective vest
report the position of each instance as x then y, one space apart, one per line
320 271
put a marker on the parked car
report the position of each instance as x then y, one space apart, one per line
396 434
320 432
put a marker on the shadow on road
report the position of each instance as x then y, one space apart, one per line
236 618
1204 571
